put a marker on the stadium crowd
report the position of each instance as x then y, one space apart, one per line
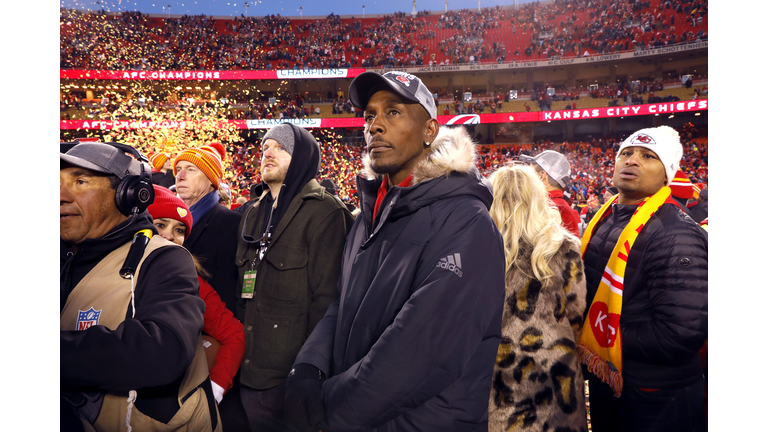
574 28
592 162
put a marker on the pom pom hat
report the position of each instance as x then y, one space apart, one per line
682 187
207 158
157 160
168 205
662 140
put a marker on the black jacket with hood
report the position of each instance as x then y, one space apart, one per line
296 279
411 343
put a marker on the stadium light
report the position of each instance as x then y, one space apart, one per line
363 11
169 11
301 12
246 9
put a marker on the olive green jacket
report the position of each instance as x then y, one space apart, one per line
295 282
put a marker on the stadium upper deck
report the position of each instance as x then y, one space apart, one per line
558 29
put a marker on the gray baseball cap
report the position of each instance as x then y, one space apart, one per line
554 164
406 85
102 158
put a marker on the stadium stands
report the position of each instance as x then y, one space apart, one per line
560 29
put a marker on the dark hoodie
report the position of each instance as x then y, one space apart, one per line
411 343
149 352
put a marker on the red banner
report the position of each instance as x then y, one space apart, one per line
357 122
211 75
622 111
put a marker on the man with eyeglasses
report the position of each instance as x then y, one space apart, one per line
289 258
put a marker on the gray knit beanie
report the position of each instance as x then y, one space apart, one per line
282 133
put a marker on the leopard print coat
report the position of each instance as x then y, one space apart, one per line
537 380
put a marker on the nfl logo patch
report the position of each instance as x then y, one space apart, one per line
86 319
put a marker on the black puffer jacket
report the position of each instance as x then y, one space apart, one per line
664 308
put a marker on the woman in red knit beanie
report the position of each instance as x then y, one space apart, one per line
173 221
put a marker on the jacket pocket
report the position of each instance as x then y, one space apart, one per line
279 334
288 273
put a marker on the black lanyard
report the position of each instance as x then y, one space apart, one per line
266 238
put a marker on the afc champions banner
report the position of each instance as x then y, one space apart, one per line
211 75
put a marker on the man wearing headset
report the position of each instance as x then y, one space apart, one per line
130 346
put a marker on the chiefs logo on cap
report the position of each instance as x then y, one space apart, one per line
643 139
403 80
182 212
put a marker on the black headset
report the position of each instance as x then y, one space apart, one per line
135 192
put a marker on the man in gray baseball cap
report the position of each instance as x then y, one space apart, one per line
90 175
102 158
555 172
146 327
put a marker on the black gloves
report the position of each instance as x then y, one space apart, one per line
303 397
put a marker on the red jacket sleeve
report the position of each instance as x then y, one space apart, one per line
221 324
570 220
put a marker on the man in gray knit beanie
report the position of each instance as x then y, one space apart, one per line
277 151
285 135
282 133
289 258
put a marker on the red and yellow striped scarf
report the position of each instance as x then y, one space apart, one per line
600 342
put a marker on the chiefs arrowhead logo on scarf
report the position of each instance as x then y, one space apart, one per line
600 342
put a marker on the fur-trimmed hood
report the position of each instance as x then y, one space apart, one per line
448 170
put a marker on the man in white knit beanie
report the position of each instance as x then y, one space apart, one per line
645 262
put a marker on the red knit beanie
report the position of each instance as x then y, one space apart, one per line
208 158
168 205
681 186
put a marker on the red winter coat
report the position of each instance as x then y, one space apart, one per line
221 324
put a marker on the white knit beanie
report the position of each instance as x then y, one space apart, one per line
662 140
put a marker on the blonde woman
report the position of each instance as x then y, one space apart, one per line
537 380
